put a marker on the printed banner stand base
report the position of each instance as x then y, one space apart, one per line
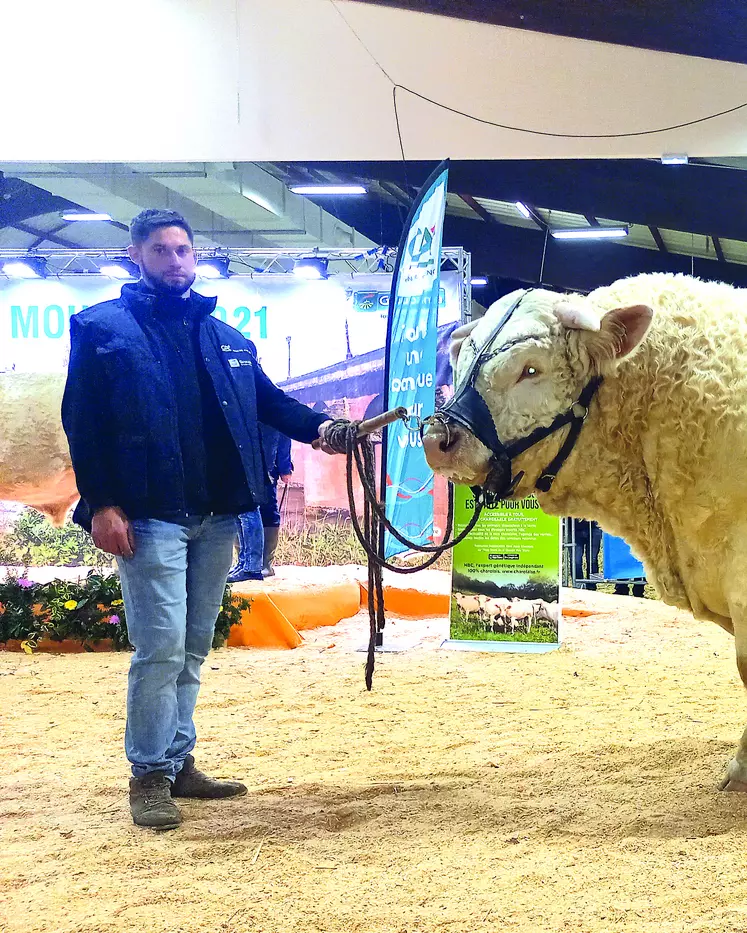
514 647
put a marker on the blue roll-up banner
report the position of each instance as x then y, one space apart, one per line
619 562
410 364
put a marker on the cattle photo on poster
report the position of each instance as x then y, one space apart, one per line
661 459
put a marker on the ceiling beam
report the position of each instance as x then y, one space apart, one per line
658 239
704 199
513 252
516 252
479 209
43 237
719 249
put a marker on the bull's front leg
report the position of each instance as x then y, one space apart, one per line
736 773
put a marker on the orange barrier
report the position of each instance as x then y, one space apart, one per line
263 626
411 603
282 608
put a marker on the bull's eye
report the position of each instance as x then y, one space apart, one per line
529 372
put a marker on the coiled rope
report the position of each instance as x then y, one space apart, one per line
346 437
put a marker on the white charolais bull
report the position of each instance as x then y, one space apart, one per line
35 466
661 459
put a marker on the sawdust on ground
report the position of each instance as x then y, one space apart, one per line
570 791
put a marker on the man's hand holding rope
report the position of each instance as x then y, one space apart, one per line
332 436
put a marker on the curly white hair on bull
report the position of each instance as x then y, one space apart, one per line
662 457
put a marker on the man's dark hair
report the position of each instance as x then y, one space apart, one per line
149 220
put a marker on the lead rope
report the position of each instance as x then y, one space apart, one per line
342 436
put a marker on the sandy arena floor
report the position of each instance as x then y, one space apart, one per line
573 791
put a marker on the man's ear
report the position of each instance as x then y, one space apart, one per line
610 337
134 253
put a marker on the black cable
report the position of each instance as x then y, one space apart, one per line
523 129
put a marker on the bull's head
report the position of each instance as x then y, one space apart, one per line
533 364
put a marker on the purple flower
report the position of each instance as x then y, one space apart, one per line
113 620
25 582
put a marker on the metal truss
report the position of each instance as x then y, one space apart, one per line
252 261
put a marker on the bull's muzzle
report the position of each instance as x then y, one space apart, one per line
440 438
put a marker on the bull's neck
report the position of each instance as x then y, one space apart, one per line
607 462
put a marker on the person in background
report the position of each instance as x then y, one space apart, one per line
259 529
277 452
634 589
161 410
250 552
587 537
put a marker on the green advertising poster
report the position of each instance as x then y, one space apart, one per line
505 591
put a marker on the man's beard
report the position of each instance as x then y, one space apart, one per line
164 286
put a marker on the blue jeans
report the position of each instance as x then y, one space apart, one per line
172 589
251 541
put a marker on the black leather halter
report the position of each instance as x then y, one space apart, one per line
469 409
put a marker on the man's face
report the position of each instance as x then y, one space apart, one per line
166 260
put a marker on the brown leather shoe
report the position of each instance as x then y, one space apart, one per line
190 782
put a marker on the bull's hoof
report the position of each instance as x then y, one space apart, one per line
735 780
728 783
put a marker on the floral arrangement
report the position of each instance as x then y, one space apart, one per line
87 611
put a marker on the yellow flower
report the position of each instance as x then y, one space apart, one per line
70 604
117 602
28 646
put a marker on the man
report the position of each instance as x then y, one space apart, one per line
160 410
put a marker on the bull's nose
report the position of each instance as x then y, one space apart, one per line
438 440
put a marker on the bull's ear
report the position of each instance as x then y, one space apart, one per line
606 337
627 327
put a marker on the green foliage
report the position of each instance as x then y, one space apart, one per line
89 610
34 542
537 633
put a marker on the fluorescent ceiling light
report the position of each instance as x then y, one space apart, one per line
672 158
72 217
328 189
18 269
478 280
523 209
117 271
590 233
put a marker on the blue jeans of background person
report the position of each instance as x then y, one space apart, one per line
251 541
588 541
172 589
270 511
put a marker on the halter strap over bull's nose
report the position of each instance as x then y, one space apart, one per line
468 408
